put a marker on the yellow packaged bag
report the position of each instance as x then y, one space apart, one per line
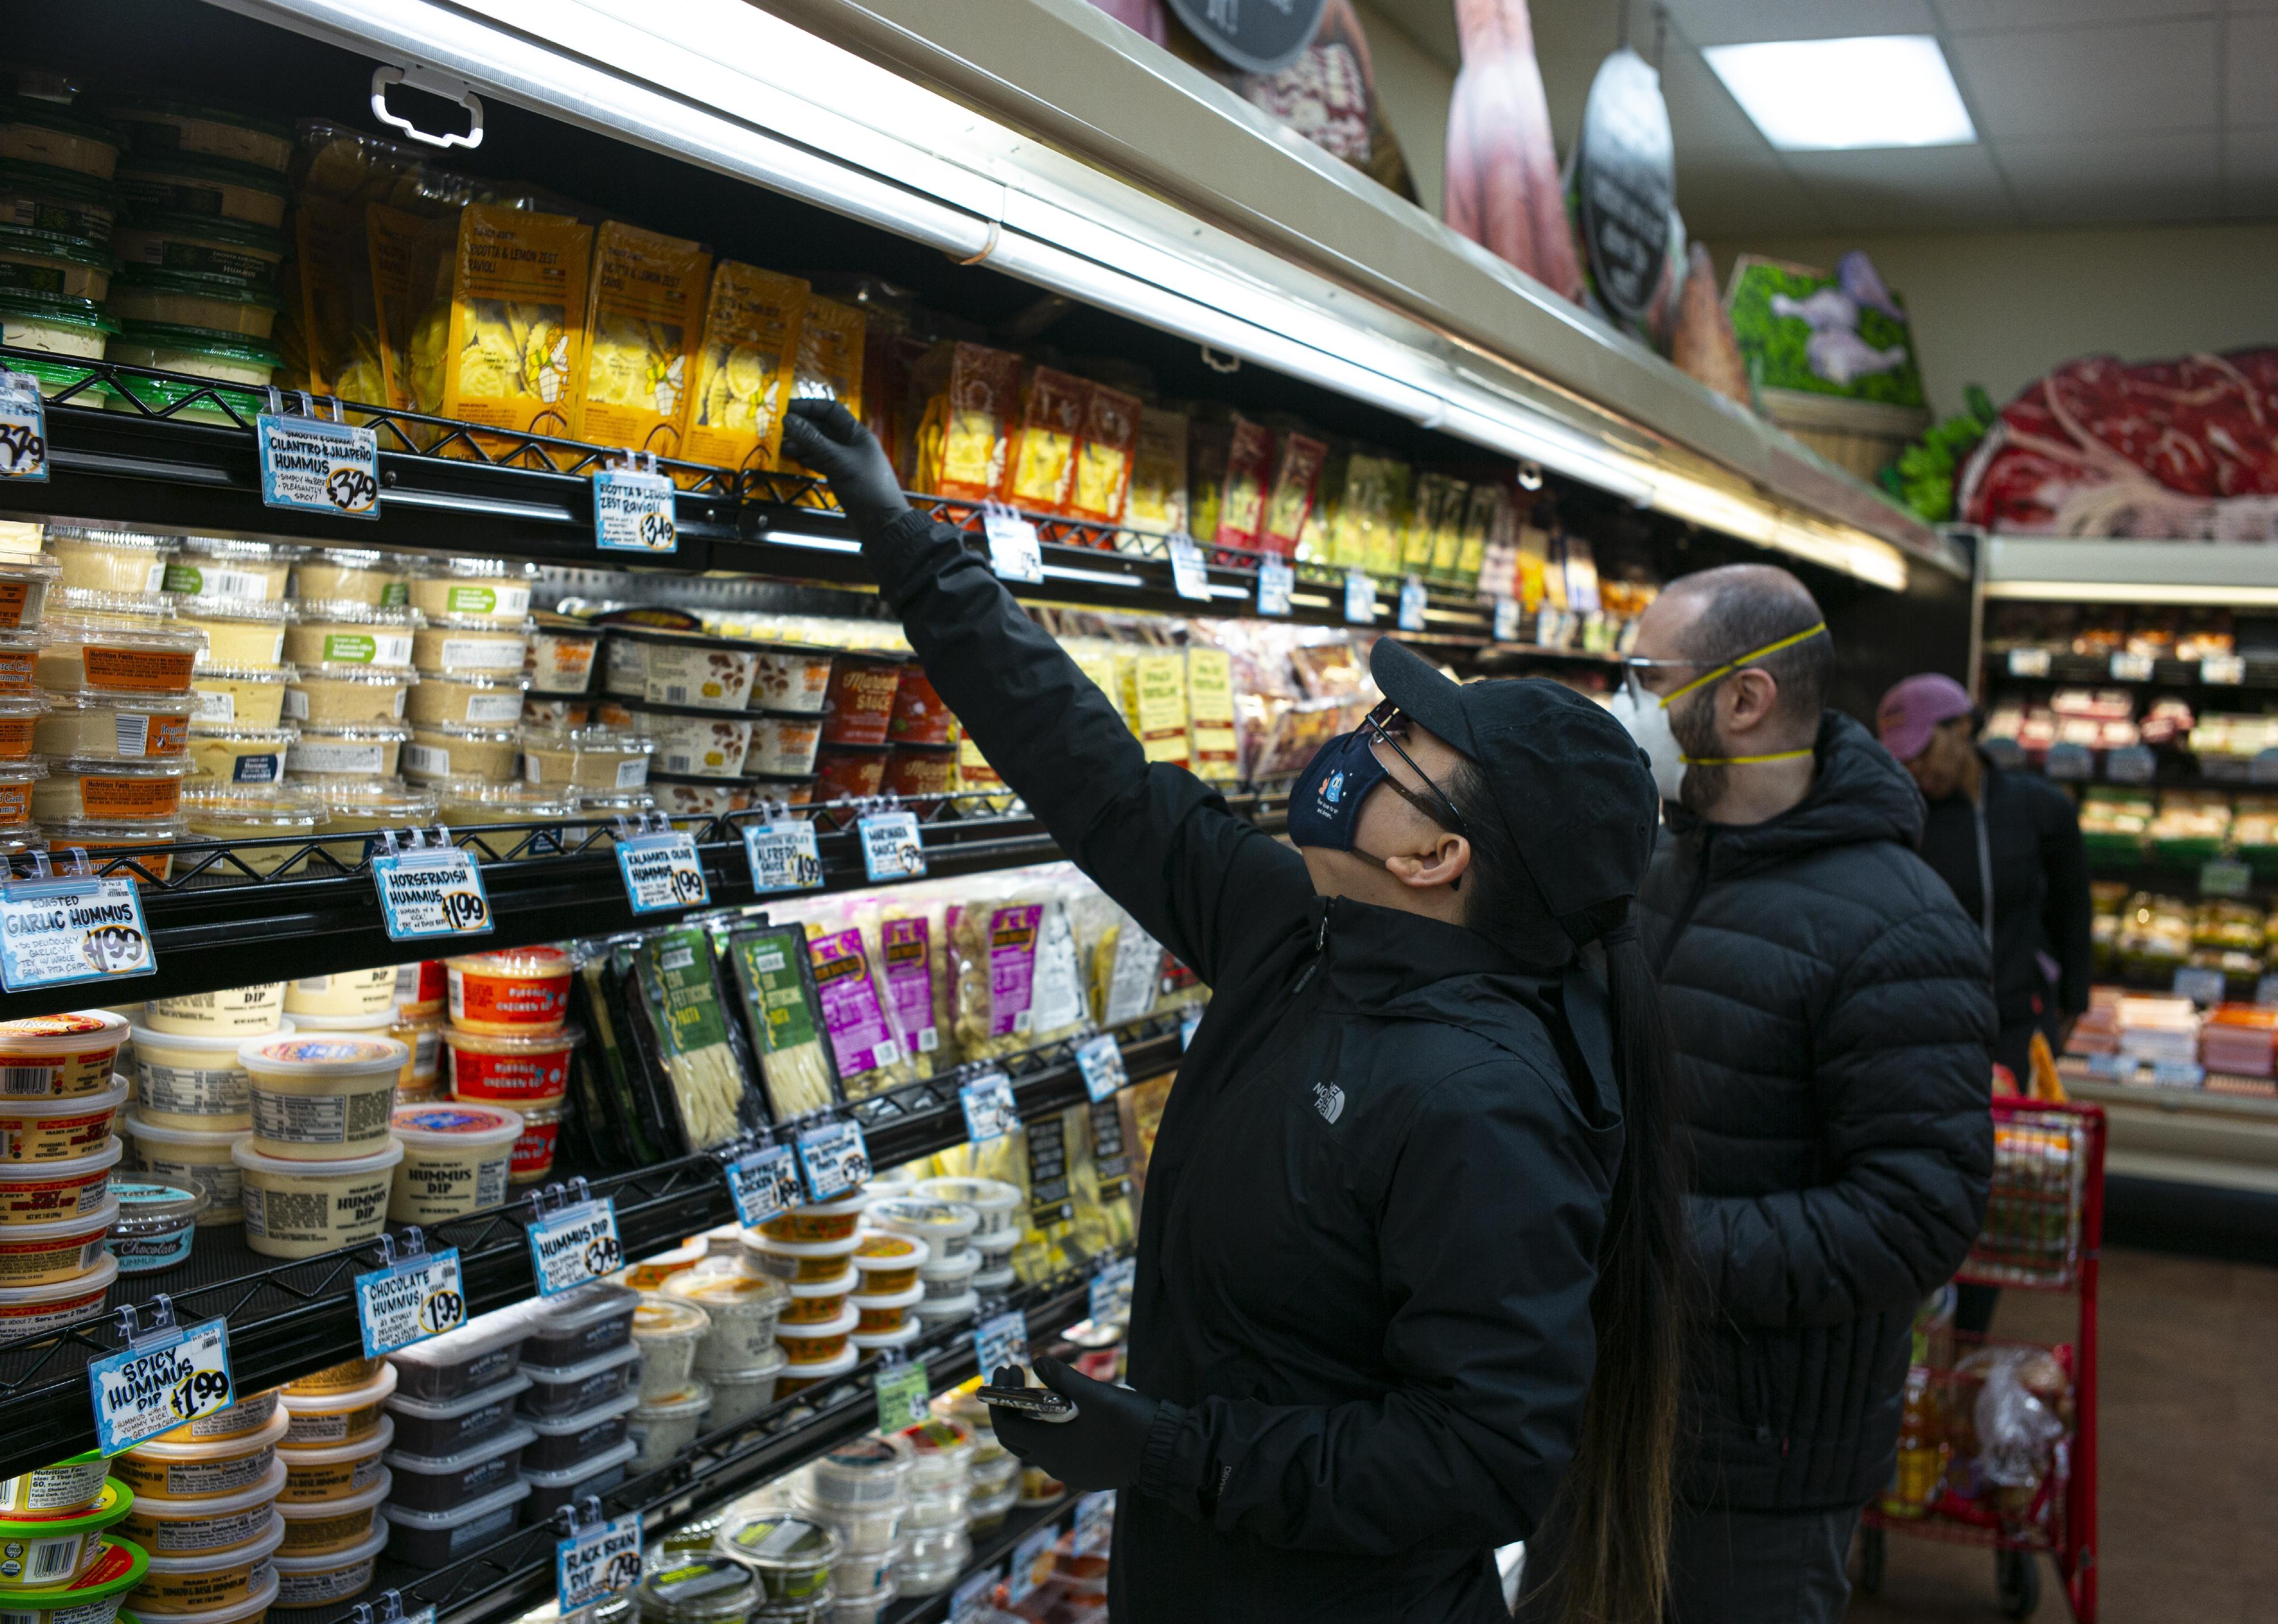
1158 499
410 259
746 369
830 354
1213 746
642 321
1155 704
516 342
333 303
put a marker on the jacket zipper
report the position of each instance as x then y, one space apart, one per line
1685 914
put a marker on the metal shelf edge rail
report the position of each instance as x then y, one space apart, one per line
293 1318
483 490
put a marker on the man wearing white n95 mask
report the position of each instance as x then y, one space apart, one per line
1831 1006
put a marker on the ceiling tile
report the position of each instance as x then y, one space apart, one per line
2098 180
1982 16
2135 76
1702 112
1723 194
2249 175
1730 22
1919 189
2249 55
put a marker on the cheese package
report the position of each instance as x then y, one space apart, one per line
975 420
1432 498
746 368
1040 469
1103 456
642 319
1297 477
1364 533
1241 502
1213 745
1448 531
830 354
517 341
1158 494
410 268
332 288
1485 516
1155 704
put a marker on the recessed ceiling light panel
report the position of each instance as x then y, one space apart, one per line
1833 96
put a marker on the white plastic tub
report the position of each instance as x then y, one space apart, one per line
161 1470
199 1581
661 1428
340 1417
317 1579
352 1208
324 1527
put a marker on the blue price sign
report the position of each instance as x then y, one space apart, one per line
53 932
1411 604
430 893
783 856
158 1384
575 1245
1002 1340
633 513
23 428
409 1301
833 1159
891 848
310 466
990 1111
1101 1062
763 1183
661 873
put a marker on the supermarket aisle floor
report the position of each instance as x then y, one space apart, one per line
2190 1425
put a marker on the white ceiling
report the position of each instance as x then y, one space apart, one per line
2088 112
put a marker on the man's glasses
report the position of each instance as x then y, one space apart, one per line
1386 723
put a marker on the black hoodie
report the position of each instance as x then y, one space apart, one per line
1374 1209
1831 1006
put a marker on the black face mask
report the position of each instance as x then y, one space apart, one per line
1324 802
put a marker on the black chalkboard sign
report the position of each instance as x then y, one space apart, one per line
1258 36
1626 183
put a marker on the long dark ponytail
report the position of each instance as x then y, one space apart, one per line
1615 1501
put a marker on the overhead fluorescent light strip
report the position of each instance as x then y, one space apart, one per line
1840 95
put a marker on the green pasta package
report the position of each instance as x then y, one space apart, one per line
693 1026
783 1016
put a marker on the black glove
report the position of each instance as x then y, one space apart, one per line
824 436
1102 1448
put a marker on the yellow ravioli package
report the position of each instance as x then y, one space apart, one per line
516 344
746 369
642 322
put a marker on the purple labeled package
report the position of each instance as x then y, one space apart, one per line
1011 967
905 945
860 1041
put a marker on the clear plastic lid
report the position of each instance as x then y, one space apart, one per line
109 766
466 1403
478 679
686 1400
98 606
662 1319
481 803
40 567
588 1305
485 1333
570 1477
214 1561
259 610
560 1426
710 1589
388 798
102 535
480 623
94 833
334 671
34 704
885 1250
754 1240
354 732
229 548
949 1266
585 1369
596 740
62 699
472 1512
348 612
473 569
471 735
253 674
255 809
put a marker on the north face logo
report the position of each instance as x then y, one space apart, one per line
1329 1100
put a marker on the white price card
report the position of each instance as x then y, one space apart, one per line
891 848
57 931
2228 670
1506 620
1110 1292
599 1562
2029 662
1014 552
158 1384
1188 575
1189 1019
833 1159
1360 598
1095 1522
784 856
970 1600
990 1111
23 428
1030 1558
1275 582
1100 1059
999 1340
633 511
901 1388
573 1244
411 1299
763 1183
1411 604
2128 668
308 465
430 893
661 873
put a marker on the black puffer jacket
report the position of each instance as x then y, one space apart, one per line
1832 1007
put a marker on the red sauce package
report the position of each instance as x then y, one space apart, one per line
1296 480
1104 456
984 394
1040 468
1249 466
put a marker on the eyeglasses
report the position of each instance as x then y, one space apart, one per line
1634 667
1387 722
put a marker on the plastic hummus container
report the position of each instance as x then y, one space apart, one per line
56 1251
52 1548
586 758
93 1599
350 1206
195 1080
475 588
62 1055
333 1473
34 1192
200 1581
63 1490
889 1262
237 696
314 1580
467 702
103 727
663 1426
514 1070
743 1312
521 992
201 1527
455 1160
320 1420
333 695
469 645
325 1527
561 655
155 1225
668 1332
164 1469
239 1012
322 1098
195 1158
351 992
347 632
250 1413
43 1128
36 1311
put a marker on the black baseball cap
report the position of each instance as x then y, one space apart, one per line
1573 788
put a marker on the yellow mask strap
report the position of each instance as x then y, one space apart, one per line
1785 755
1731 666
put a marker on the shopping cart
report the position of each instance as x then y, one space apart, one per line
2032 1490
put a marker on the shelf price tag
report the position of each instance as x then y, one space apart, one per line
2130 763
2265 990
970 1599
593 1564
1014 552
1111 1290
1360 598
633 511
1101 1062
763 1183
23 428
2070 761
53 932
891 847
1001 1339
308 465
575 1243
783 856
662 872
902 1391
1506 620
159 1383
2225 877
409 1300
2127 667
1188 575
1275 582
1411 604
2029 662
833 1159
2200 983
2228 670
432 891
1095 1522
990 1111
1028 1556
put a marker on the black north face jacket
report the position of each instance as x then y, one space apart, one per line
1372 1215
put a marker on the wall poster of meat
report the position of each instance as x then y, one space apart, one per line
1502 186
2183 450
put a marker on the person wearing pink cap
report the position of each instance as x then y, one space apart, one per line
2008 845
